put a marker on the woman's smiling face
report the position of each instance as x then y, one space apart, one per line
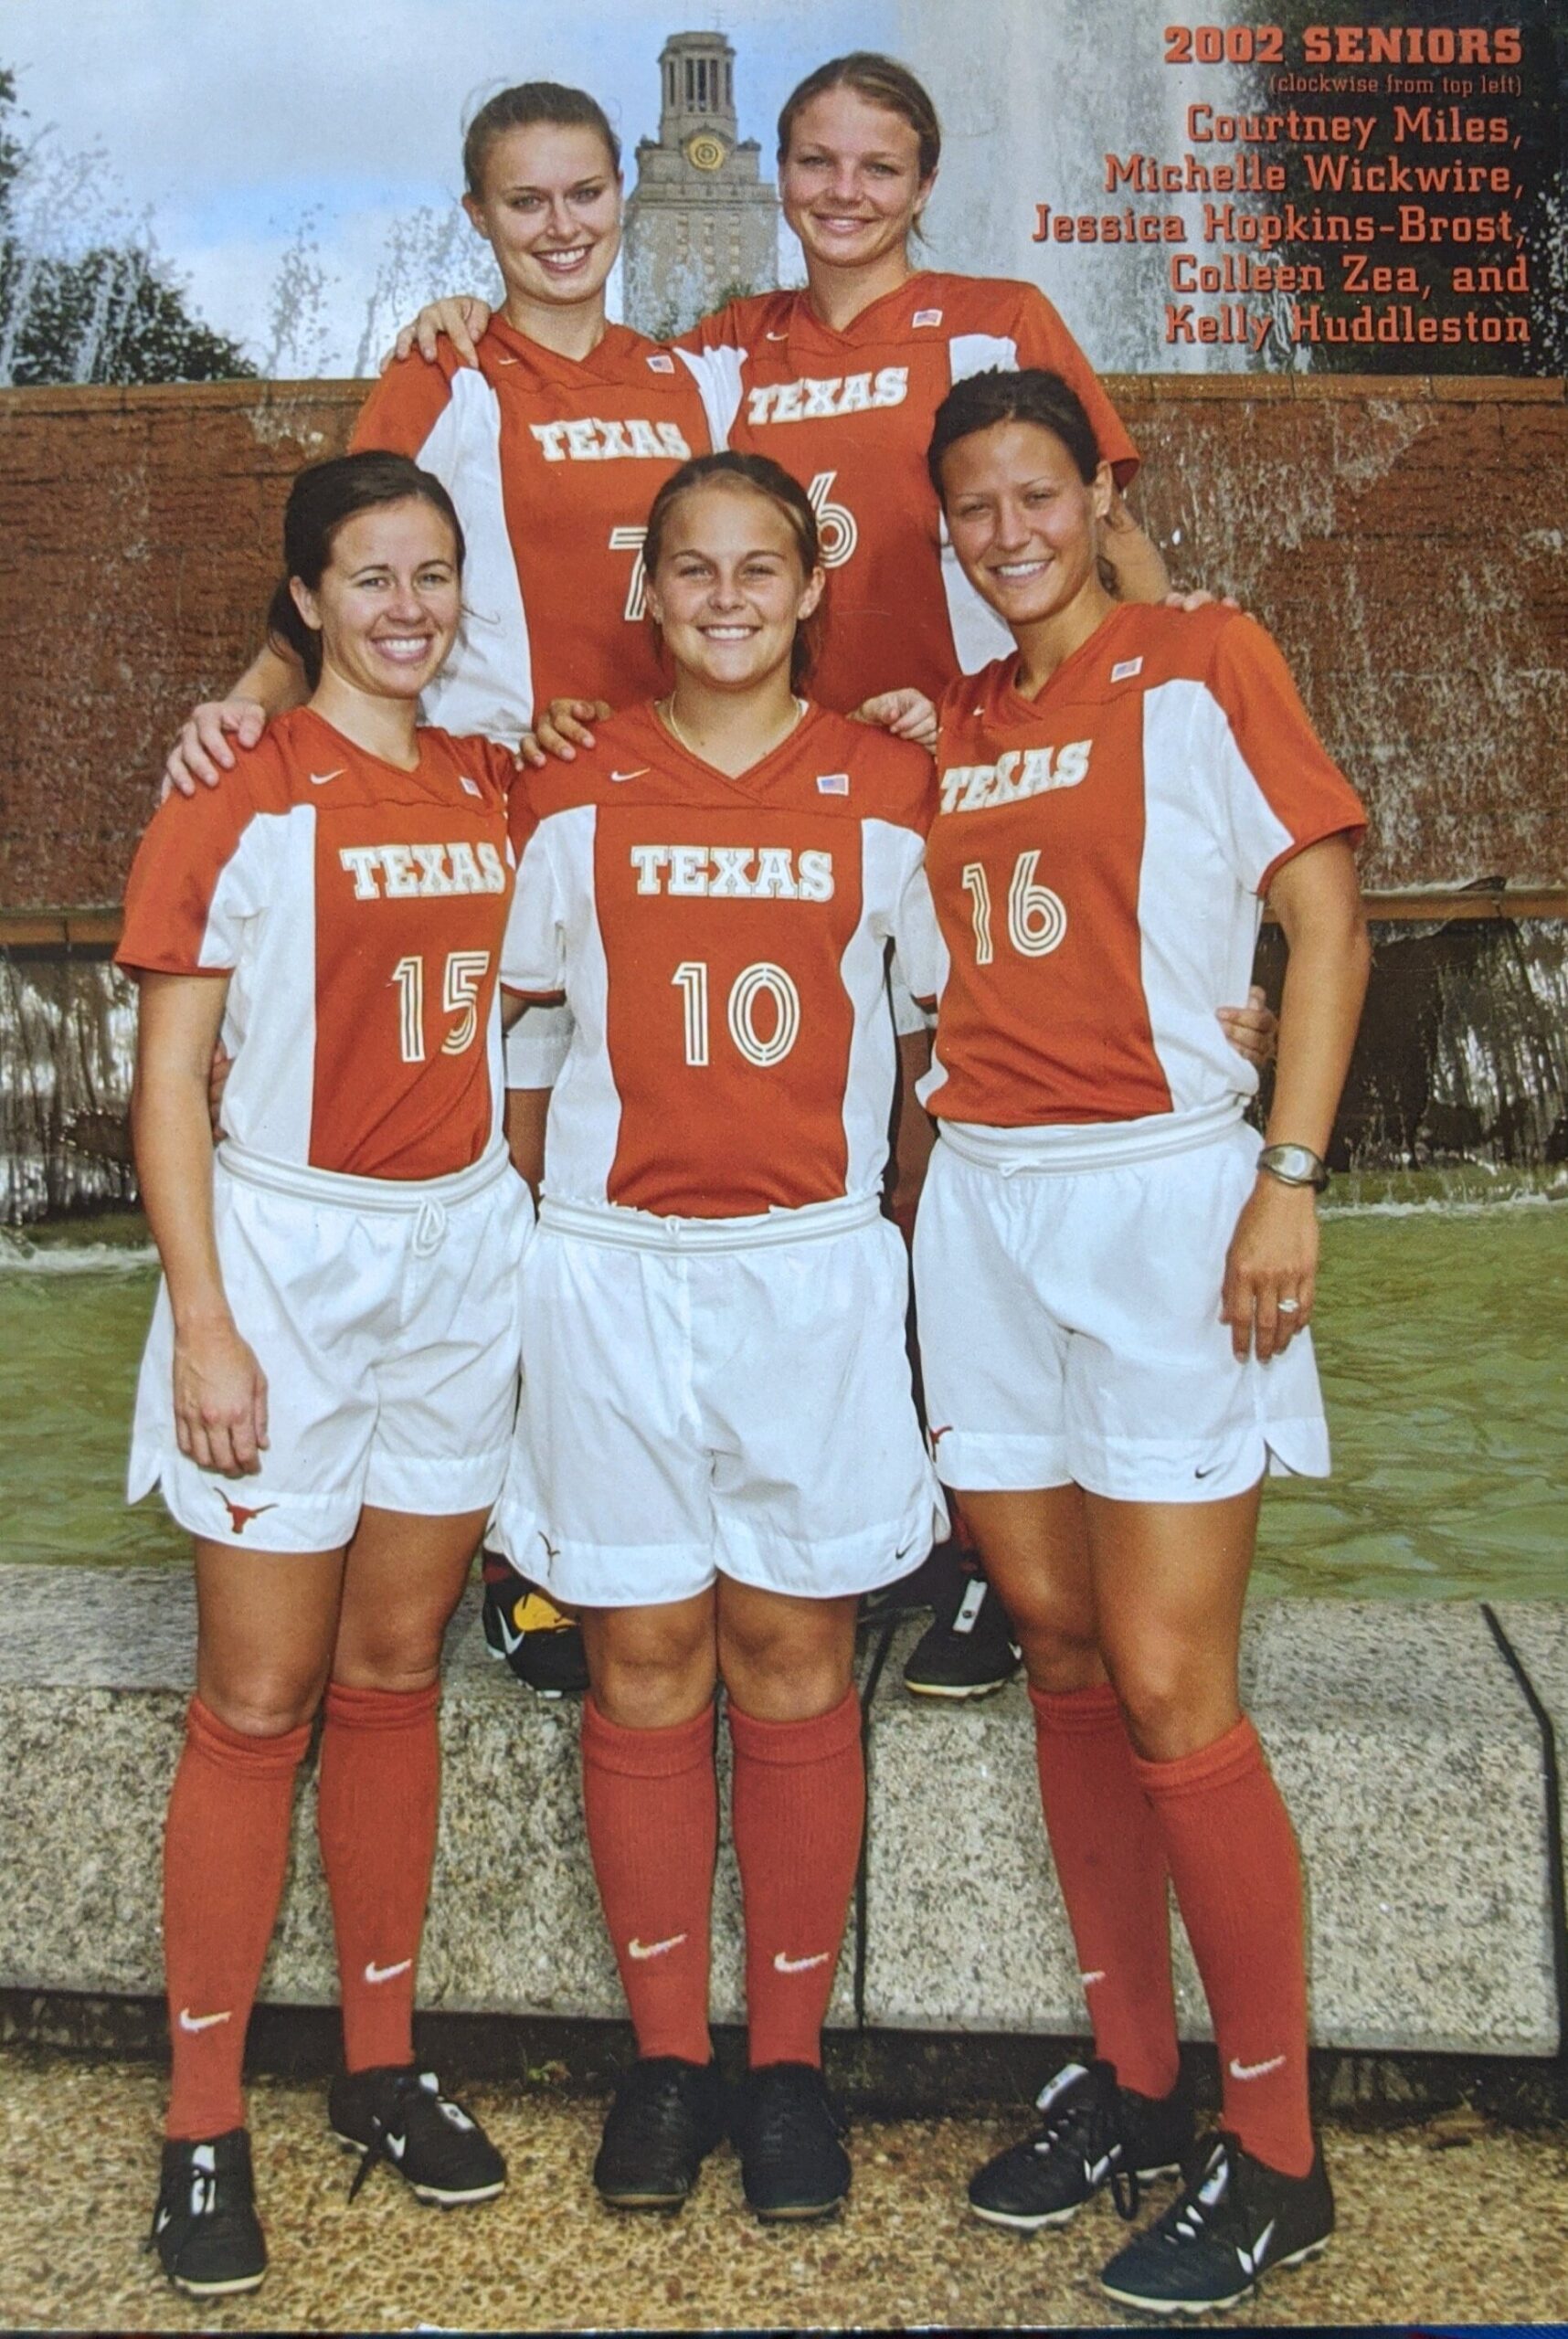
849 183
550 211
1022 519
729 590
389 599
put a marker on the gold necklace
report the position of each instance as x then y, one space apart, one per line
665 709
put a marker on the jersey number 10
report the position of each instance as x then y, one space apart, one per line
691 979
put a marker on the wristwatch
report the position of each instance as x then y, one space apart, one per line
1295 1165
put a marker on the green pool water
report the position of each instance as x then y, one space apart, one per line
1440 1330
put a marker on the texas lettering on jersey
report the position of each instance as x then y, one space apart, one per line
1017 773
593 440
811 400
725 873
1098 865
424 872
722 944
360 910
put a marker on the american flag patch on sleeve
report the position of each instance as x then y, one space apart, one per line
927 317
832 783
1126 670
660 364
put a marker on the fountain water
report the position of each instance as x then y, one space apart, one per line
68 1030
1030 112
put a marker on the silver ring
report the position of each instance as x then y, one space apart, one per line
1289 1307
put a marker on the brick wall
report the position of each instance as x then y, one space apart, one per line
1405 539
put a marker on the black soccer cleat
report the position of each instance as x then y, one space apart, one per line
667 2116
1093 2135
1234 2220
204 2228
968 1650
397 2114
528 1632
790 2133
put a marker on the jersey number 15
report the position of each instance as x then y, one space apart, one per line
465 971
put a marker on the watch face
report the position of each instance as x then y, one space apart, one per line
1296 1163
704 152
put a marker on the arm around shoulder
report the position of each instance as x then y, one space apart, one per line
272 683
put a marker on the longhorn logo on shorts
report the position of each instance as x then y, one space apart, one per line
240 1518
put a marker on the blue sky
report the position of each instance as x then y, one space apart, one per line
226 125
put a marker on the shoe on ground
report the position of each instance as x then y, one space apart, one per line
790 2133
204 2227
667 2116
397 2114
1234 2220
528 1633
968 1650
1093 2136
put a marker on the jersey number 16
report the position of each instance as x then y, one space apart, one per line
1036 918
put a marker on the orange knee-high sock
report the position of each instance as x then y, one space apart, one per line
226 1849
650 1802
1110 1863
799 1811
377 1799
1237 1873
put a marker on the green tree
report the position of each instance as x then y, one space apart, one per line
111 313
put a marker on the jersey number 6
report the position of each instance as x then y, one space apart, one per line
1036 918
691 978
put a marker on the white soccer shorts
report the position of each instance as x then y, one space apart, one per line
385 1315
1069 1320
706 1397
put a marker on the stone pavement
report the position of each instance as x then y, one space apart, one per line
1449 2219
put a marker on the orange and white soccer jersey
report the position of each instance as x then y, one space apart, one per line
358 910
1097 859
722 945
850 415
552 464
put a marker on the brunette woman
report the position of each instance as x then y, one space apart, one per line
328 1392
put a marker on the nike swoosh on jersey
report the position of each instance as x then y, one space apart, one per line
640 773
374 1972
642 1949
189 2021
320 778
782 1964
